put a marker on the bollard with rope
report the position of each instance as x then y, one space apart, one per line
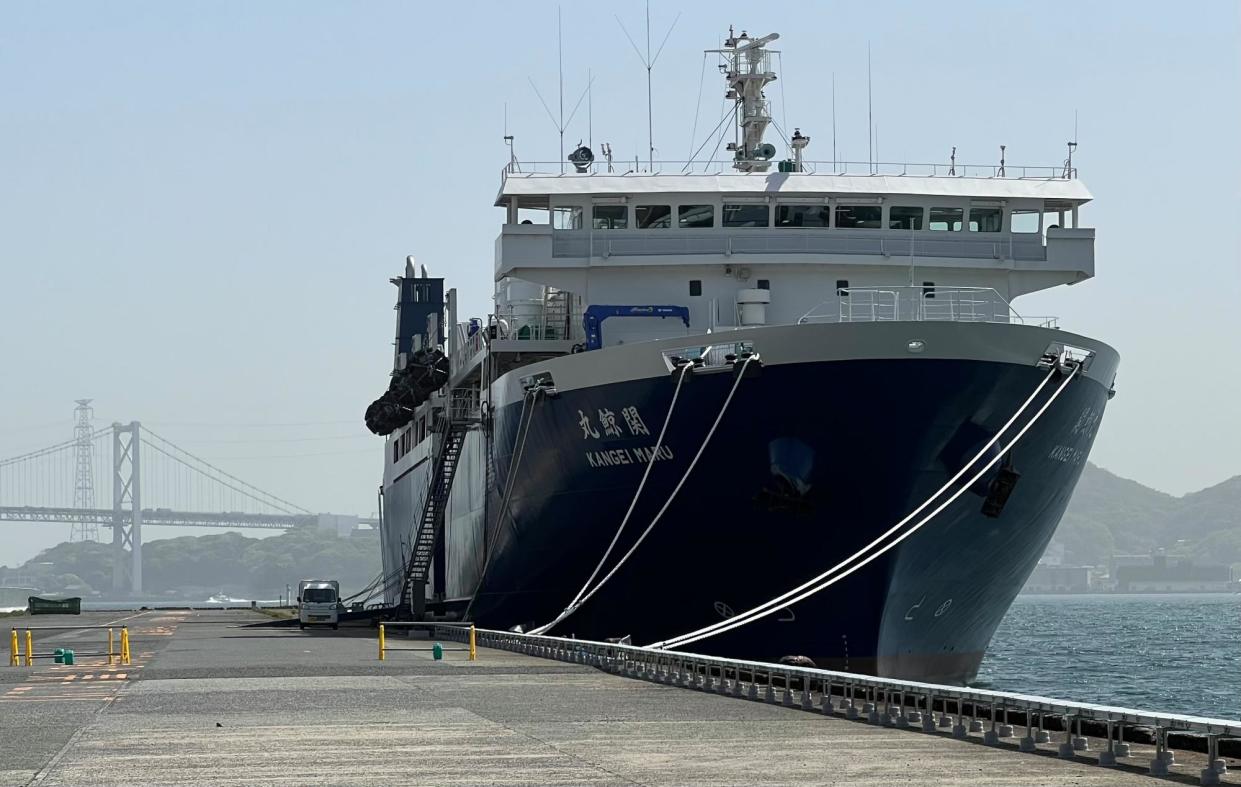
381 642
110 648
13 652
473 644
29 649
124 644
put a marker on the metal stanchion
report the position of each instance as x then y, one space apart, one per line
381 642
13 652
110 649
125 644
29 649
473 645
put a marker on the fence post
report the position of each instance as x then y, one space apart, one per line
124 644
110 650
381 642
473 645
13 652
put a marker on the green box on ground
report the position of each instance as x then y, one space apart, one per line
54 606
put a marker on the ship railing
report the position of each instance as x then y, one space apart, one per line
794 240
921 304
724 166
852 695
468 341
464 405
537 321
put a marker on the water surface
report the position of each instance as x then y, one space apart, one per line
1175 653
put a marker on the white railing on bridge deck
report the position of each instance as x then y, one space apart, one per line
888 244
538 321
844 168
920 304
906 703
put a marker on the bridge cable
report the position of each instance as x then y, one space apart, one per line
825 580
243 492
51 449
739 376
202 461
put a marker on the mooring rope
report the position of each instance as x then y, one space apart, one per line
830 577
739 375
519 450
659 442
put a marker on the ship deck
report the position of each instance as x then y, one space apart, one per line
210 700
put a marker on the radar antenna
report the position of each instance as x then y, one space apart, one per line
747 70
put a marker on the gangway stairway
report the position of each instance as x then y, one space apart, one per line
460 417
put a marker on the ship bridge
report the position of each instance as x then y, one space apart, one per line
707 240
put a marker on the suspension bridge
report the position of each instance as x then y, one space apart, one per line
154 483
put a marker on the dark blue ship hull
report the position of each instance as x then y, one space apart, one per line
810 463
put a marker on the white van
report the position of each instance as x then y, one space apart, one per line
318 603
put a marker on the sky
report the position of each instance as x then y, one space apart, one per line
201 203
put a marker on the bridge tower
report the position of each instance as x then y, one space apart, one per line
126 505
84 477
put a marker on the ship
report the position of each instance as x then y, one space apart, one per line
705 384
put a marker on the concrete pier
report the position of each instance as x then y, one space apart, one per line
210 701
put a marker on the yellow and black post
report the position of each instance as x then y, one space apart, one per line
13 652
473 645
381 642
29 649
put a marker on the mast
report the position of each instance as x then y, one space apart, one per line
747 70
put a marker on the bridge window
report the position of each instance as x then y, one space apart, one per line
928 289
986 219
694 216
764 284
946 219
842 288
653 216
746 215
611 217
802 215
860 217
695 287
1024 221
904 218
567 217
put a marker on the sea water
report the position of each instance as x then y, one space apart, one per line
1170 653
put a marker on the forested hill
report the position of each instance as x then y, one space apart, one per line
1113 515
199 566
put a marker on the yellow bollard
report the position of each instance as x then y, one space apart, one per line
13 652
124 644
473 646
110 652
381 642
29 649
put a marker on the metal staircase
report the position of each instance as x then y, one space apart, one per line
462 414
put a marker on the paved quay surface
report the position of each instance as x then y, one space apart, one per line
210 701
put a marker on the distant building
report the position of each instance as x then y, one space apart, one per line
1161 573
1055 578
1054 555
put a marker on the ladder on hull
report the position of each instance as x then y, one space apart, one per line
431 523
